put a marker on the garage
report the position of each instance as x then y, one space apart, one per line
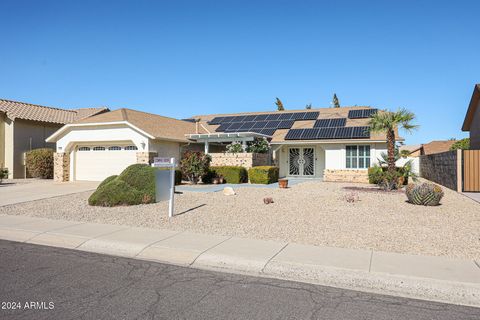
95 163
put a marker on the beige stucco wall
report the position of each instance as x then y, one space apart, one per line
475 130
166 149
2 140
28 135
8 126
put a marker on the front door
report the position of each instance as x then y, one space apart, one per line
301 161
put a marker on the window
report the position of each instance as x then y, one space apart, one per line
114 148
358 157
84 149
131 148
98 148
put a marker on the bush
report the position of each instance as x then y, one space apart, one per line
115 193
259 146
231 174
234 147
3 174
39 163
194 165
375 174
427 194
107 180
263 174
463 144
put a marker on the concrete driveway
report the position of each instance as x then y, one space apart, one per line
12 192
473 195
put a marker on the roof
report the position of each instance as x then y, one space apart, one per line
159 127
27 111
324 113
410 148
472 108
437 146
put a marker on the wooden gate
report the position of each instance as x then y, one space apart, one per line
471 170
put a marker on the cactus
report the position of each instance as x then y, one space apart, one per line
427 194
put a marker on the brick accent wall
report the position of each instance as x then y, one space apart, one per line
440 168
61 167
146 157
246 160
360 176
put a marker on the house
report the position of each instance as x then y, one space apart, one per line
105 144
329 143
472 119
25 126
432 147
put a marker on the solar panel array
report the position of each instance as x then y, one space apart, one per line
326 123
328 133
312 115
358 114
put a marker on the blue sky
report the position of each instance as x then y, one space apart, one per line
180 58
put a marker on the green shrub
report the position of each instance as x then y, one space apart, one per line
207 178
231 174
107 180
39 163
116 193
194 165
463 144
427 194
3 174
263 174
375 174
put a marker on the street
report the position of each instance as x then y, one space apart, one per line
39 282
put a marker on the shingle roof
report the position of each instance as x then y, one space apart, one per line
21 110
158 126
436 146
472 108
324 113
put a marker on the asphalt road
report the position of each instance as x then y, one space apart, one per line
68 284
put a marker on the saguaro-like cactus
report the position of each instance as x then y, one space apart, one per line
427 194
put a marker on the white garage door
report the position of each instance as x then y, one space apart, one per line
98 162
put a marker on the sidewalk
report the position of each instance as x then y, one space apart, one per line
423 277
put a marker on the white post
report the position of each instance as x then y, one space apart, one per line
172 187
244 145
206 146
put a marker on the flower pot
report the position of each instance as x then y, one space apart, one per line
283 183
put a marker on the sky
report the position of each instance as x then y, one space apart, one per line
181 58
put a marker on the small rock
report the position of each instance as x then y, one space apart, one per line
268 200
228 191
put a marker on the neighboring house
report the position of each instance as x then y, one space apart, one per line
105 144
25 126
413 149
329 143
472 119
432 147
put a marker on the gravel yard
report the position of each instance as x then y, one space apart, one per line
311 213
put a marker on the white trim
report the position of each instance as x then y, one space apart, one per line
295 142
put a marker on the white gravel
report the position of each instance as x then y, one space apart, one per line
311 213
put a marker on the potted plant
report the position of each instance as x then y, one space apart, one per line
283 183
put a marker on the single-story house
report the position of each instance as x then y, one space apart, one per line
25 126
436 146
472 119
329 143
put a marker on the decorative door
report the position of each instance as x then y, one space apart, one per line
301 161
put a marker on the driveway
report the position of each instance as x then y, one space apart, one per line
475 196
21 191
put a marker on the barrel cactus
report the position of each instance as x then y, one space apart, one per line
427 194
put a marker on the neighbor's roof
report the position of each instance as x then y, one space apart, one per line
435 147
410 148
324 113
157 126
26 111
472 108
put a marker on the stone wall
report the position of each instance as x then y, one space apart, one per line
440 168
61 167
146 157
246 160
335 175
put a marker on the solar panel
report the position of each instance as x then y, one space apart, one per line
369 112
338 122
216 120
273 116
250 118
310 134
311 115
364 113
326 133
235 125
267 132
343 133
247 125
321 123
360 132
223 127
298 115
259 124
285 116
261 117
273 124
294 134
285 124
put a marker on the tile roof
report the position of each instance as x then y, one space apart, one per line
324 113
21 110
436 146
158 126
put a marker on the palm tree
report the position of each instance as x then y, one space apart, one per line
386 121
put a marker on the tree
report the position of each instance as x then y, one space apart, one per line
335 102
386 121
463 144
194 165
308 106
279 105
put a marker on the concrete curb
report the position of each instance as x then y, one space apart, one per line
423 277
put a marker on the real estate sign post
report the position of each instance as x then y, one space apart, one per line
165 181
